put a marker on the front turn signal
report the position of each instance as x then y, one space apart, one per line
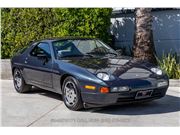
104 90
90 87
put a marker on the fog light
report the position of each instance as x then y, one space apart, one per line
162 84
120 89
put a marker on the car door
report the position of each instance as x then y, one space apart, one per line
38 69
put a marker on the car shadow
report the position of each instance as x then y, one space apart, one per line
166 104
46 93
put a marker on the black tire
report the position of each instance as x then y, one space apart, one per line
77 102
21 87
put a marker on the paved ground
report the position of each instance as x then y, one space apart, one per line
42 108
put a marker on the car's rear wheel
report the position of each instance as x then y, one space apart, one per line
19 82
71 94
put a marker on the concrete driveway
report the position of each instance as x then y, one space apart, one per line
42 108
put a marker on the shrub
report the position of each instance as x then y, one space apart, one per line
170 65
21 25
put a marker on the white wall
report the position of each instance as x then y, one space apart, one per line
166 30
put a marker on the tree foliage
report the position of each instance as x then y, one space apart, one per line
21 25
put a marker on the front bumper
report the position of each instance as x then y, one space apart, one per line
99 99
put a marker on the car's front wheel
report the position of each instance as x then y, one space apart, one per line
71 94
19 82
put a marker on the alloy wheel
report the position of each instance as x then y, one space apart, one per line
17 79
70 93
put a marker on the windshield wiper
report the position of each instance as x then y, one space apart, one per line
111 53
88 55
71 56
76 55
105 53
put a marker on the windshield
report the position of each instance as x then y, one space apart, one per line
77 48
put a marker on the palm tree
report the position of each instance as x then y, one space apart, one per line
143 48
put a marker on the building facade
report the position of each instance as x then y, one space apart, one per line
166 30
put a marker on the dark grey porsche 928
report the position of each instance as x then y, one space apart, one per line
87 72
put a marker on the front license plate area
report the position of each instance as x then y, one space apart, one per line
143 94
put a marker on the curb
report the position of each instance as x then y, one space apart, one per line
6 69
174 82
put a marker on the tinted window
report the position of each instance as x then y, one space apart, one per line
41 48
72 48
88 46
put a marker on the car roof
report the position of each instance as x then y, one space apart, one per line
61 38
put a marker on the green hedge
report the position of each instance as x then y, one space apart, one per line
170 64
19 26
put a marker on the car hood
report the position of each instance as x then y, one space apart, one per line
122 67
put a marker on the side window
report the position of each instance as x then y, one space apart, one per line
41 48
